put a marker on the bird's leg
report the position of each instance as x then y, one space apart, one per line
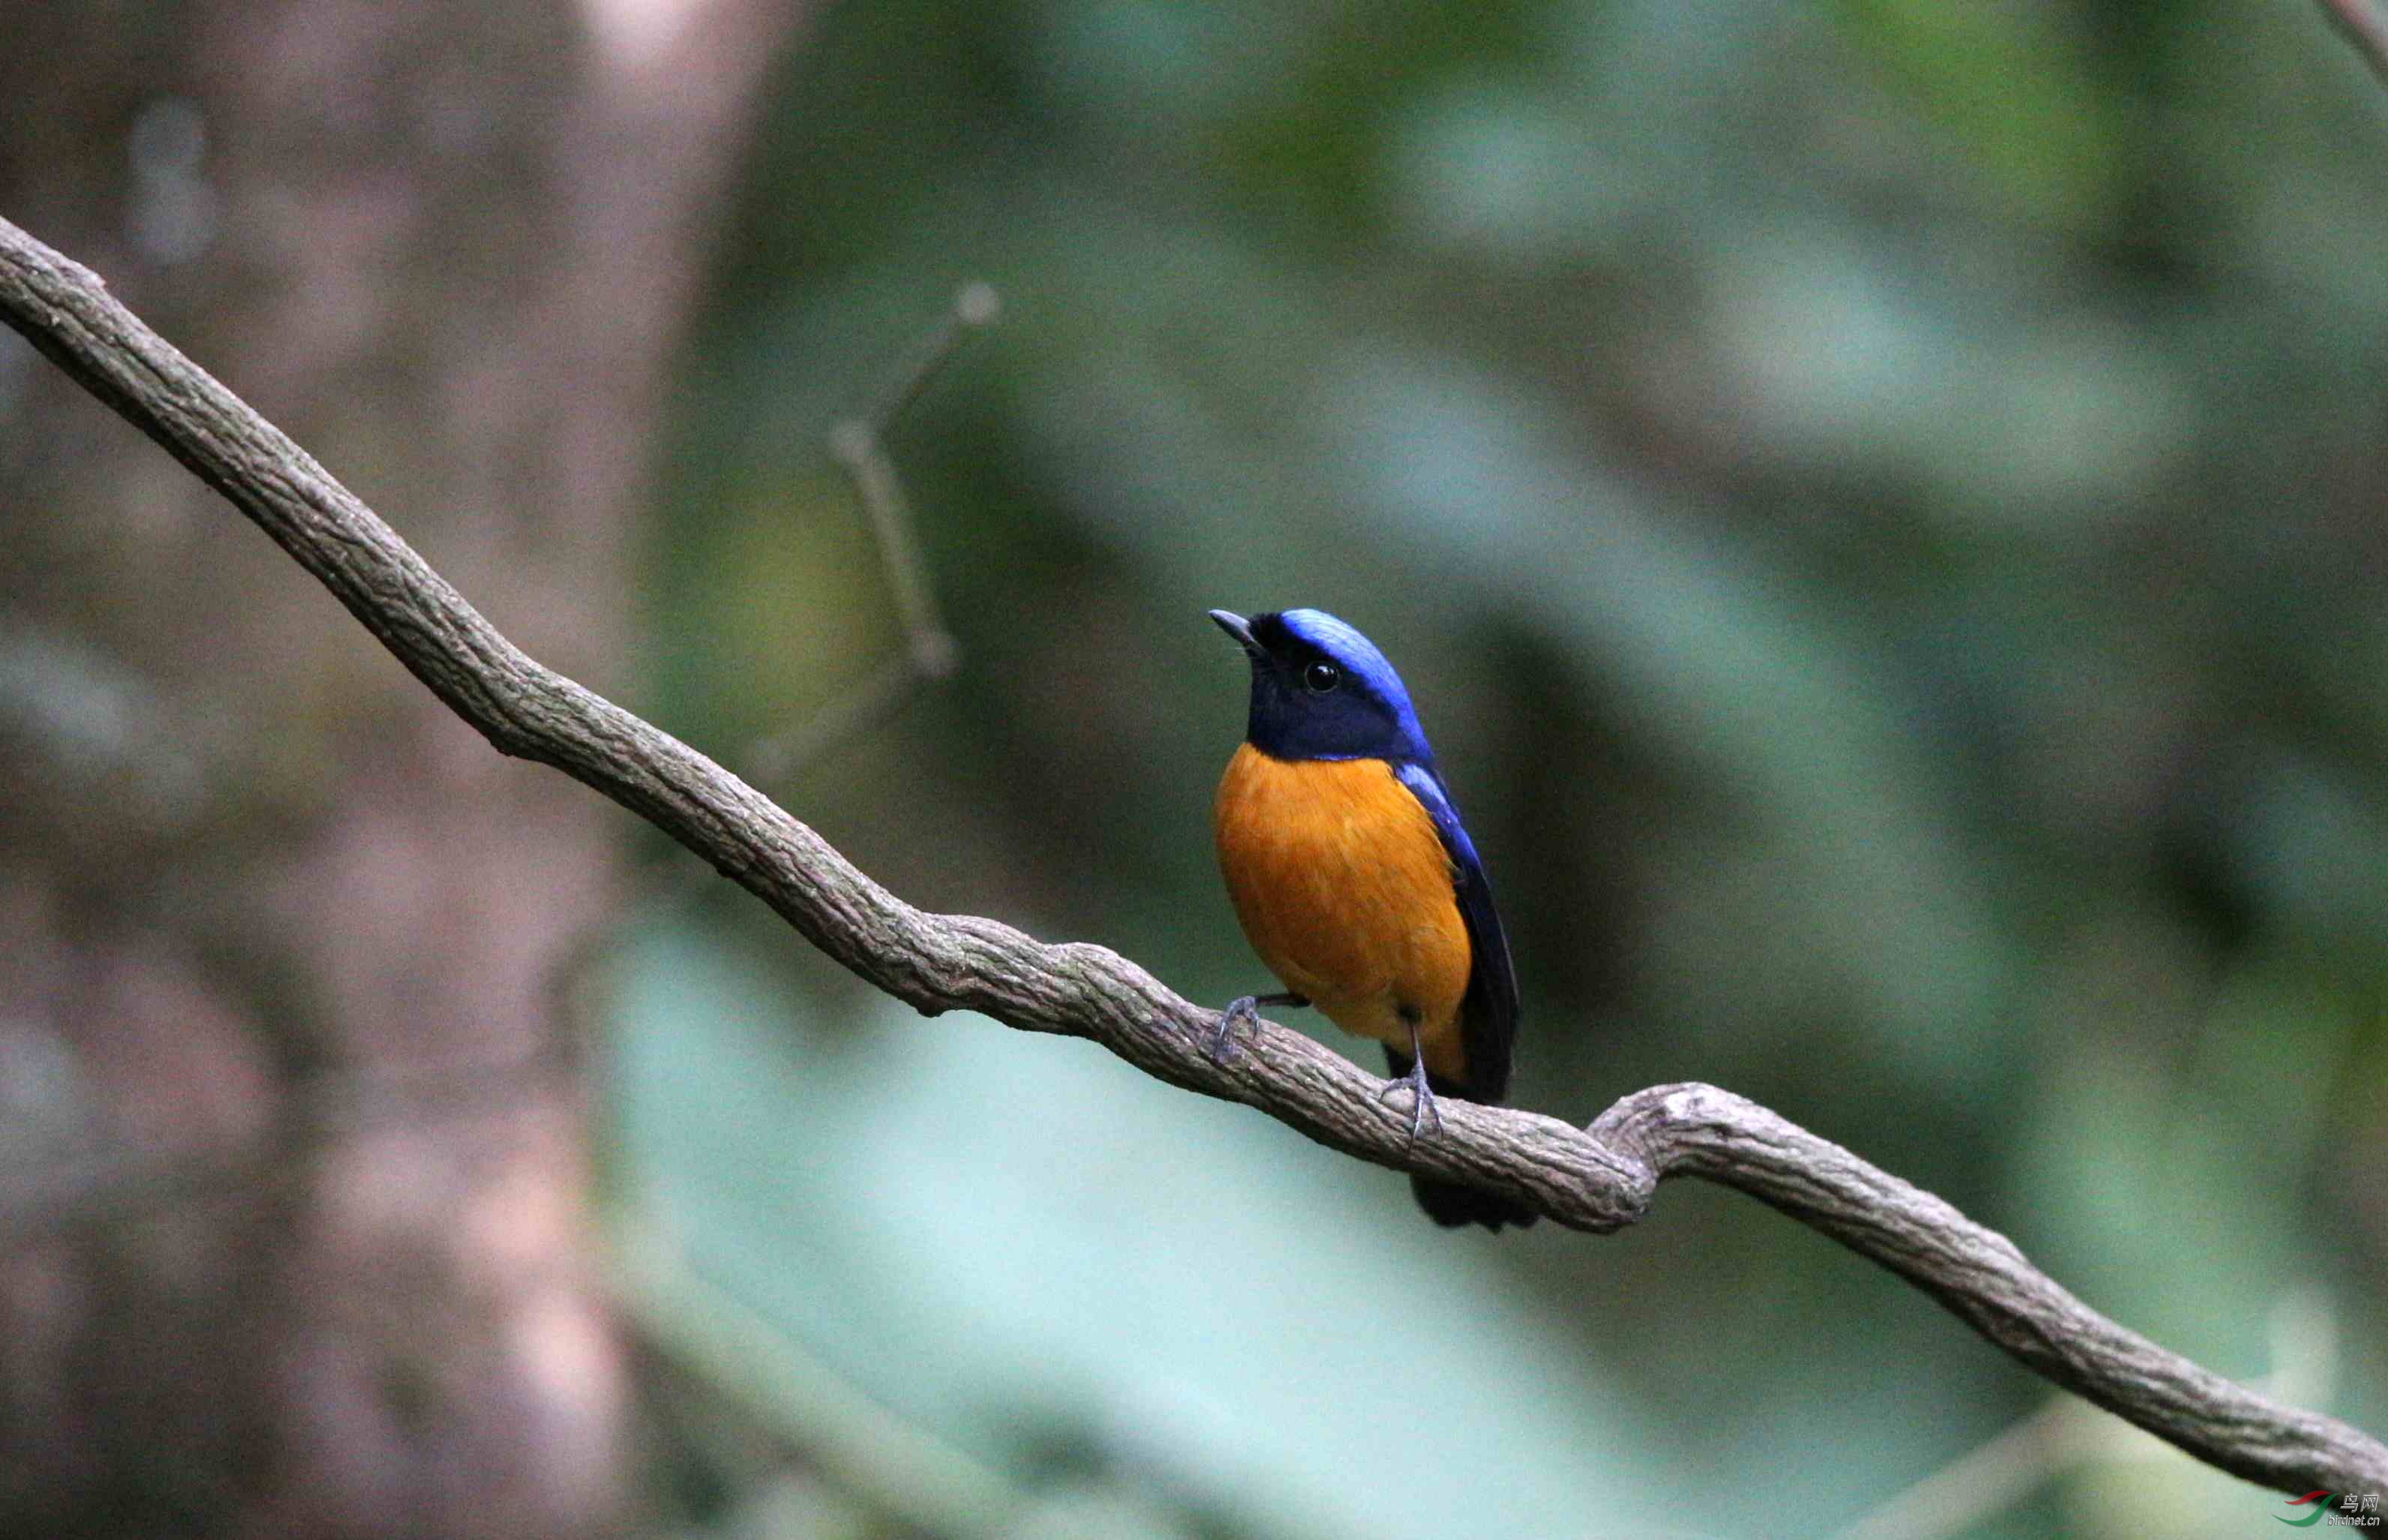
1422 1107
1245 1007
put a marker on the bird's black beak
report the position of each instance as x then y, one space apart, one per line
1238 627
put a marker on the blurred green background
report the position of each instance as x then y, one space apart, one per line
1880 507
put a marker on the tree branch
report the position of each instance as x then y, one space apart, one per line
1598 1178
2365 27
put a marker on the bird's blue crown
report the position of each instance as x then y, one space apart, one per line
1321 690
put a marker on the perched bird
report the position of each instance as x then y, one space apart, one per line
1356 883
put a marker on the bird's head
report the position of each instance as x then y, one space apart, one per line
1321 690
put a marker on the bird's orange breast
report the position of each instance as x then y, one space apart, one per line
1345 892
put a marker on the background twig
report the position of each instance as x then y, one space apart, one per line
859 445
2364 26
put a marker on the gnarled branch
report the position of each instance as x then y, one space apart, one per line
1598 1178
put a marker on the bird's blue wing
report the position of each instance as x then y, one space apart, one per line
1488 1012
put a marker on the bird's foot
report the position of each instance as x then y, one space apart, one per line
1244 1007
1422 1108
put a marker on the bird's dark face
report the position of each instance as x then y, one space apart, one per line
1321 690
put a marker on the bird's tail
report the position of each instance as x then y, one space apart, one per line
1452 1204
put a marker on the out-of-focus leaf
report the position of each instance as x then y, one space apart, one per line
2014 84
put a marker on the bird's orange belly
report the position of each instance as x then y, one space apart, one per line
1346 894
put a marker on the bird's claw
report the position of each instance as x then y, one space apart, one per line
1244 1007
1422 1106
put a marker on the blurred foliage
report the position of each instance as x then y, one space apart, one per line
1880 507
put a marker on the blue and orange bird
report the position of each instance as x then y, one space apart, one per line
1356 883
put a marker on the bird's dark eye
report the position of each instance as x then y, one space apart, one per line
1322 677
